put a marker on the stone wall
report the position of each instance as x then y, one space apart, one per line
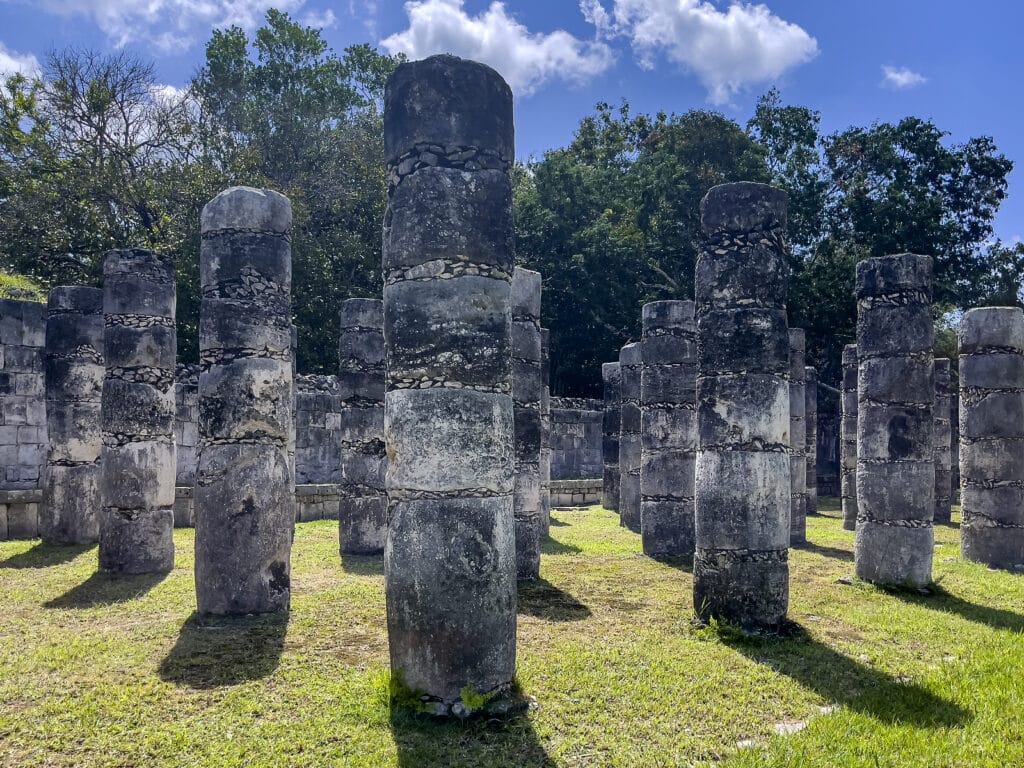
186 422
576 425
23 416
318 420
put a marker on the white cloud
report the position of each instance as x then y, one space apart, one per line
525 59
319 19
11 62
727 50
901 78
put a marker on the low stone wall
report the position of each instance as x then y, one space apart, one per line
186 422
312 502
19 514
23 439
576 426
318 419
576 493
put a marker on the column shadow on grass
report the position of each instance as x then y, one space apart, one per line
684 564
840 679
818 549
104 588
44 555
542 599
216 651
939 599
550 546
363 565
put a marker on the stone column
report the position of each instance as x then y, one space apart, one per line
941 435
848 438
611 376
954 441
630 448
73 372
742 498
811 422
797 437
545 433
895 392
449 562
526 395
244 495
139 455
992 436
362 499
668 399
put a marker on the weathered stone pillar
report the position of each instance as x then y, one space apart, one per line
811 422
630 447
954 441
668 399
848 438
895 392
797 436
449 563
244 496
73 372
362 499
611 376
941 436
526 396
992 436
139 453
545 433
742 499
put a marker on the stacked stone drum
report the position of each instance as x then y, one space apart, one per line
611 376
797 437
942 432
545 433
848 438
630 446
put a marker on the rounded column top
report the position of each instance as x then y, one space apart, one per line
668 314
248 208
75 298
362 313
631 354
900 273
526 292
741 207
611 372
138 262
987 327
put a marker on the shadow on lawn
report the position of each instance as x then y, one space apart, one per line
941 600
104 588
818 549
45 555
214 651
550 546
544 600
363 565
840 679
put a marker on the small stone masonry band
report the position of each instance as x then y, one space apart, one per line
450 559
742 499
244 494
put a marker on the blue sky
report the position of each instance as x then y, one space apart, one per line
856 62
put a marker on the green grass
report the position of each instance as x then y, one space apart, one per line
119 672
21 288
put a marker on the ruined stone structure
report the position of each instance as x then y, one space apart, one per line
630 445
244 494
526 396
811 423
797 436
449 563
954 440
576 438
668 400
848 438
742 499
611 376
138 461
363 504
23 439
545 433
186 423
941 433
895 393
318 419
992 436
70 512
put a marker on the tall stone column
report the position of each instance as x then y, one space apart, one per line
526 396
545 433
630 448
941 435
742 498
848 438
139 452
611 376
668 398
895 392
811 422
73 373
449 563
362 498
797 436
992 436
244 495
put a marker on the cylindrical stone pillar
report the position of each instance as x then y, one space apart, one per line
526 396
742 493
611 376
895 393
992 436
941 435
848 438
811 422
139 452
545 433
244 495
668 401
630 448
73 372
362 499
449 562
797 436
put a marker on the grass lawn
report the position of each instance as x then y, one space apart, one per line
118 672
